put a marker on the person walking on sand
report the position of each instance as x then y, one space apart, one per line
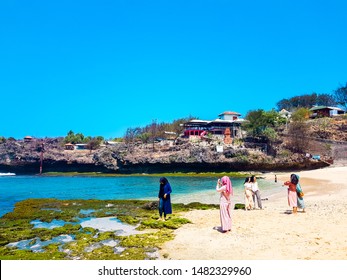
292 196
249 205
164 196
256 192
224 187
300 195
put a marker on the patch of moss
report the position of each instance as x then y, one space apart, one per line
12 254
239 206
16 226
106 235
128 219
194 206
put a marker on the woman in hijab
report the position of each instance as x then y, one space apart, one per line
224 187
300 195
164 198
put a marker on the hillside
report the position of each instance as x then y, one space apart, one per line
180 156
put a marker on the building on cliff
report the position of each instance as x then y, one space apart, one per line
69 146
227 121
326 111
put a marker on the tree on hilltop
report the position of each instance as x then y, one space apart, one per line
78 138
301 114
263 124
306 101
341 96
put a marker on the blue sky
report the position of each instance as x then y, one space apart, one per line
100 67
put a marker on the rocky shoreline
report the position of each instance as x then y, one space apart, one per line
165 157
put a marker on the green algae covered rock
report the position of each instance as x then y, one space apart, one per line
64 238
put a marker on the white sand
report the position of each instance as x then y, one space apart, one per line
272 233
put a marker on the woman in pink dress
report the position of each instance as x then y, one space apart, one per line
292 196
224 187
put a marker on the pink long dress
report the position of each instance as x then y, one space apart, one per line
292 196
225 208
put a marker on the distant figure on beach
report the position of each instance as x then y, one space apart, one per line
292 196
256 192
164 198
249 205
275 178
224 187
300 195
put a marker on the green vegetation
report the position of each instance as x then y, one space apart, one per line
87 242
78 138
300 114
306 101
340 95
262 124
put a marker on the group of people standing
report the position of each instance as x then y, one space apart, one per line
252 194
224 187
295 194
252 197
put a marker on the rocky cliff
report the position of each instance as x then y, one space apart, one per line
25 158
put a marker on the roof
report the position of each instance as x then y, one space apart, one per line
325 107
222 121
229 113
219 121
197 121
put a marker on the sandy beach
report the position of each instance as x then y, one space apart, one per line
273 233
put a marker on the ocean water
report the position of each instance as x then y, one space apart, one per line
185 189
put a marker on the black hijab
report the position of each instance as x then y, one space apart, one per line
163 181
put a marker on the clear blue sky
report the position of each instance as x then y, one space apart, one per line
99 67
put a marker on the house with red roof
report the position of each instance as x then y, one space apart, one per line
227 120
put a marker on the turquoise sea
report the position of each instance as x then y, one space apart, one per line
185 189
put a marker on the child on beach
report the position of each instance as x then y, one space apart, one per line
249 205
224 187
292 196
